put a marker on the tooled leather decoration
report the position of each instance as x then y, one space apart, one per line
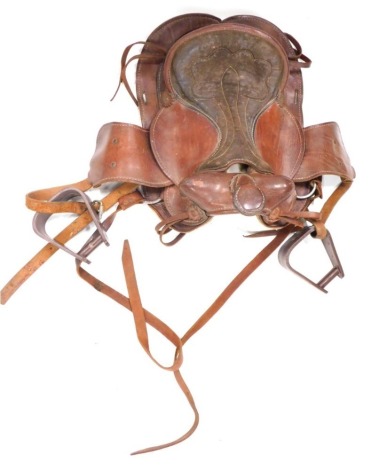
222 132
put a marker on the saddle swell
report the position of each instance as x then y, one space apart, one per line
222 133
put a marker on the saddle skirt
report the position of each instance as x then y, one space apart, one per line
222 133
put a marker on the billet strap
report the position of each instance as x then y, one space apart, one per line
143 318
63 237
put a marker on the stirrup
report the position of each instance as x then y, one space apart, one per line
287 248
40 219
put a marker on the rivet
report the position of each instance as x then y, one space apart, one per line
113 164
115 141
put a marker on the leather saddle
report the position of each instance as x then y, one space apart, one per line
222 133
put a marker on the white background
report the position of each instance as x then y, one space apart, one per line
281 375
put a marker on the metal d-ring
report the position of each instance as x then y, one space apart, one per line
311 192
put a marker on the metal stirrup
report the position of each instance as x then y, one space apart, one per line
40 219
287 248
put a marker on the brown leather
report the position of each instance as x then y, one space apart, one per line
250 194
222 133
42 199
193 138
123 154
325 154
149 83
230 86
275 127
63 237
143 318
224 107
293 93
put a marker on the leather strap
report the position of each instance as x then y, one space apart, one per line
63 237
328 207
280 236
165 226
41 200
298 60
143 318
334 199
158 55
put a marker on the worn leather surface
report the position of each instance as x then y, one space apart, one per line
250 194
280 140
325 154
222 132
149 80
182 138
123 154
222 126
234 73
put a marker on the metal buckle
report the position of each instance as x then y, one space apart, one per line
287 248
100 209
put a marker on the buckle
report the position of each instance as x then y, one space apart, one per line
287 248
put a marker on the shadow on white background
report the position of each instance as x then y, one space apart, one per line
281 375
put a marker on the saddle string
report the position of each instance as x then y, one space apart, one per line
298 59
157 55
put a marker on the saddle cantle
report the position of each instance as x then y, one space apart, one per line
222 133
